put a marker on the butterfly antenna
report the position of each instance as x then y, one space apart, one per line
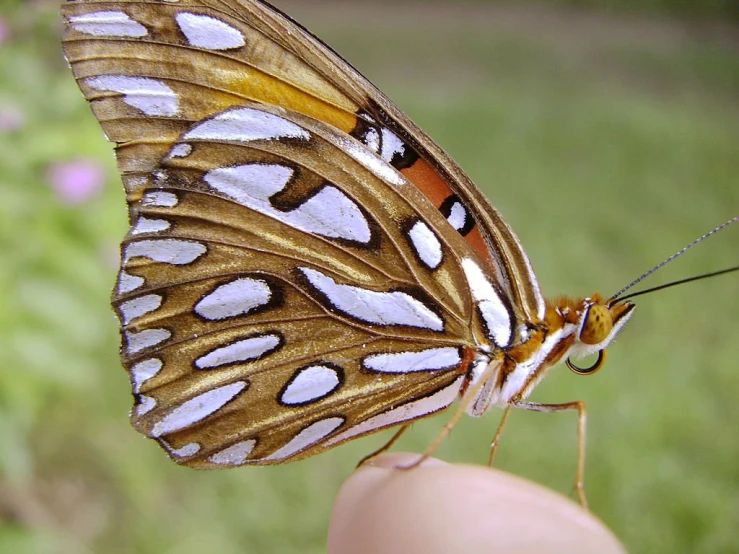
671 258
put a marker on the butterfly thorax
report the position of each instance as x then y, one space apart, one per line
571 327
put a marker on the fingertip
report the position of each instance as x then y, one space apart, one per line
439 507
399 460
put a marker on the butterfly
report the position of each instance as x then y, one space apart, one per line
305 265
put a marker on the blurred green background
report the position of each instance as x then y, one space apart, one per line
608 135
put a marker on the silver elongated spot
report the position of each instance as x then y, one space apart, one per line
411 410
107 23
239 351
146 225
391 145
234 455
457 216
196 409
408 362
234 299
128 282
309 436
145 405
246 125
181 150
166 251
150 96
160 199
143 371
382 308
190 449
136 342
137 307
310 384
493 311
204 31
370 160
426 244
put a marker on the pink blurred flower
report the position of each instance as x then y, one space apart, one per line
11 119
77 181
4 30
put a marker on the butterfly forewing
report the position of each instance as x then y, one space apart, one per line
298 267
205 56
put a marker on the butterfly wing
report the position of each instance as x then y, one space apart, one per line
262 54
283 286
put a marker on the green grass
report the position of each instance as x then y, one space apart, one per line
605 152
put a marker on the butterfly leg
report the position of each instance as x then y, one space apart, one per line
385 447
467 399
498 433
578 405
443 434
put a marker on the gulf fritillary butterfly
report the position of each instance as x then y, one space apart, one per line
304 265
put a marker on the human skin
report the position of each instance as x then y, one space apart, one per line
445 508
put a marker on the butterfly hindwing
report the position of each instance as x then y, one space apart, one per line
311 291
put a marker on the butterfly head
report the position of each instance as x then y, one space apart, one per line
599 322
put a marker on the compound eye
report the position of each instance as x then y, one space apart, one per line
597 326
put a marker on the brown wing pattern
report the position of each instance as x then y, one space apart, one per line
281 63
289 281
203 241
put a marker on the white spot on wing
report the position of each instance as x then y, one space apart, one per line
150 96
131 309
145 405
143 371
167 251
457 216
307 437
234 299
128 282
391 145
417 408
107 23
372 139
310 384
239 351
492 309
384 308
234 455
136 342
146 225
245 125
407 362
370 160
186 451
181 150
329 213
159 199
426 244
196 409
208 32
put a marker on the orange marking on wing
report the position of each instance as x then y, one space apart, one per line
428 181
259 86
476 241
436 189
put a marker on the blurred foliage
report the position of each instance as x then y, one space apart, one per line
716 9
607 142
